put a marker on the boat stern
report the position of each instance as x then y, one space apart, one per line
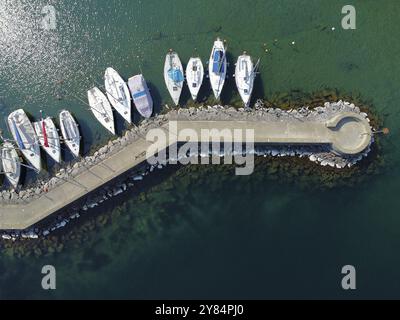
75 151
35 160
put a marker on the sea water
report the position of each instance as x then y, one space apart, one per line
207 233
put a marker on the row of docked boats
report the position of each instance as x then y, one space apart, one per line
28 137
118 95
245 73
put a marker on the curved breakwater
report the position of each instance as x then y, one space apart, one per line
321 154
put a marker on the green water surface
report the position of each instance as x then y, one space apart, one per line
212 234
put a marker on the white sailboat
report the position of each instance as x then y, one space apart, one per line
141 95
194 76
101 108
70 132
118 93
25 136
11 164
49 138
173 75
245 73
217 67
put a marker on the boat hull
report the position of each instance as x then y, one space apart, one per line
217 68
70 132
101 109
244 77
173 76
25 136
11 164
194 76
53 149
141 95
118 93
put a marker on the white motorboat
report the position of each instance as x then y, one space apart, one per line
25 136
49 138
11 164
141 95
217 67
70 132
245 73
118 93
194 76
101 108
173 75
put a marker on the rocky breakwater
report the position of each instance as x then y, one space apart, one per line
322 155
71 170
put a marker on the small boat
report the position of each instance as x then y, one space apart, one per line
217 67
118 93
173 75
245 73
49 138
70 132
11 164
194 76
101 109
25 136
141 95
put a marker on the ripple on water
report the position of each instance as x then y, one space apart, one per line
37 66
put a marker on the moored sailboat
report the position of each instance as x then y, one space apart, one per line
217 67
173 75
49 138
194 76
70 132
11 164
141 95
245 73
118 93
101 109
25 136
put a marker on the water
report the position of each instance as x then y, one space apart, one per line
210 234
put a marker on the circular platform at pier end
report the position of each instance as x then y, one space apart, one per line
351 133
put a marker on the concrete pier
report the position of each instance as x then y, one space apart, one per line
347 133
